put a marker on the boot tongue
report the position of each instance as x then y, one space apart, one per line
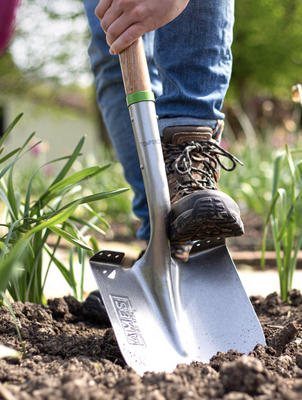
181 134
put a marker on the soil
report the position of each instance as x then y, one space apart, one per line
72 356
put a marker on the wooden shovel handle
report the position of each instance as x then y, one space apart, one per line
134 68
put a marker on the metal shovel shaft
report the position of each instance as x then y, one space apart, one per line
142 111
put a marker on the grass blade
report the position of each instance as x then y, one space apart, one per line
64 271
96 215
9 129
5 200
7 264
77 177
9 155
89 224
28 193
95 197
11 193
65 185
73 284
277 169
70 162
295 256
3 172
94 244
67 236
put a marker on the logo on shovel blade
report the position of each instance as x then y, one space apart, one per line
127 320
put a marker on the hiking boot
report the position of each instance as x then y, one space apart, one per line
199 210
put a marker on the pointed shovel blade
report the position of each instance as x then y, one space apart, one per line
173 313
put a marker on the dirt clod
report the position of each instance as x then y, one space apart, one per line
283 337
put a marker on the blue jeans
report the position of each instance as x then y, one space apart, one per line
190 64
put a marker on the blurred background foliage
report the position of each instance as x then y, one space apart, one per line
52 37
47 61
267 47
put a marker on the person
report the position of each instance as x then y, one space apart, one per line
7 20
188 50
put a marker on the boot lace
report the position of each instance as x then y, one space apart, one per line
180 158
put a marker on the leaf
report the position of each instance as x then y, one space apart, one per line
9 155
28 194
299 168
9 129
64 271
290 162
295 256
88 224
95 197
82 275
277 168
28 140
94 244
278 193
7 203
66 184
96 215
3 172
71 275
45 198
11 230
11 194
77 177
70 162
263 248
7 265
289 216
8 352
67 236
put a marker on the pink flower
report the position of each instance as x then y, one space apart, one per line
48 170
38 148
7 19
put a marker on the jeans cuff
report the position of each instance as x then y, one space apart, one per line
181 121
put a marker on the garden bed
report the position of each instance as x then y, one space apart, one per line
71 356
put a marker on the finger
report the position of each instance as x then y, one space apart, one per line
112 14
128 37
118 27
102 7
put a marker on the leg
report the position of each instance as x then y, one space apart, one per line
112 104
194 59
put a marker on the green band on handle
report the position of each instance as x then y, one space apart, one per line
144 95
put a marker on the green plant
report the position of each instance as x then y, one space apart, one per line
284 217
30 221
117 208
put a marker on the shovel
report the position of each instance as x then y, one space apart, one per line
164 311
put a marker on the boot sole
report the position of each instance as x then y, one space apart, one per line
208 214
